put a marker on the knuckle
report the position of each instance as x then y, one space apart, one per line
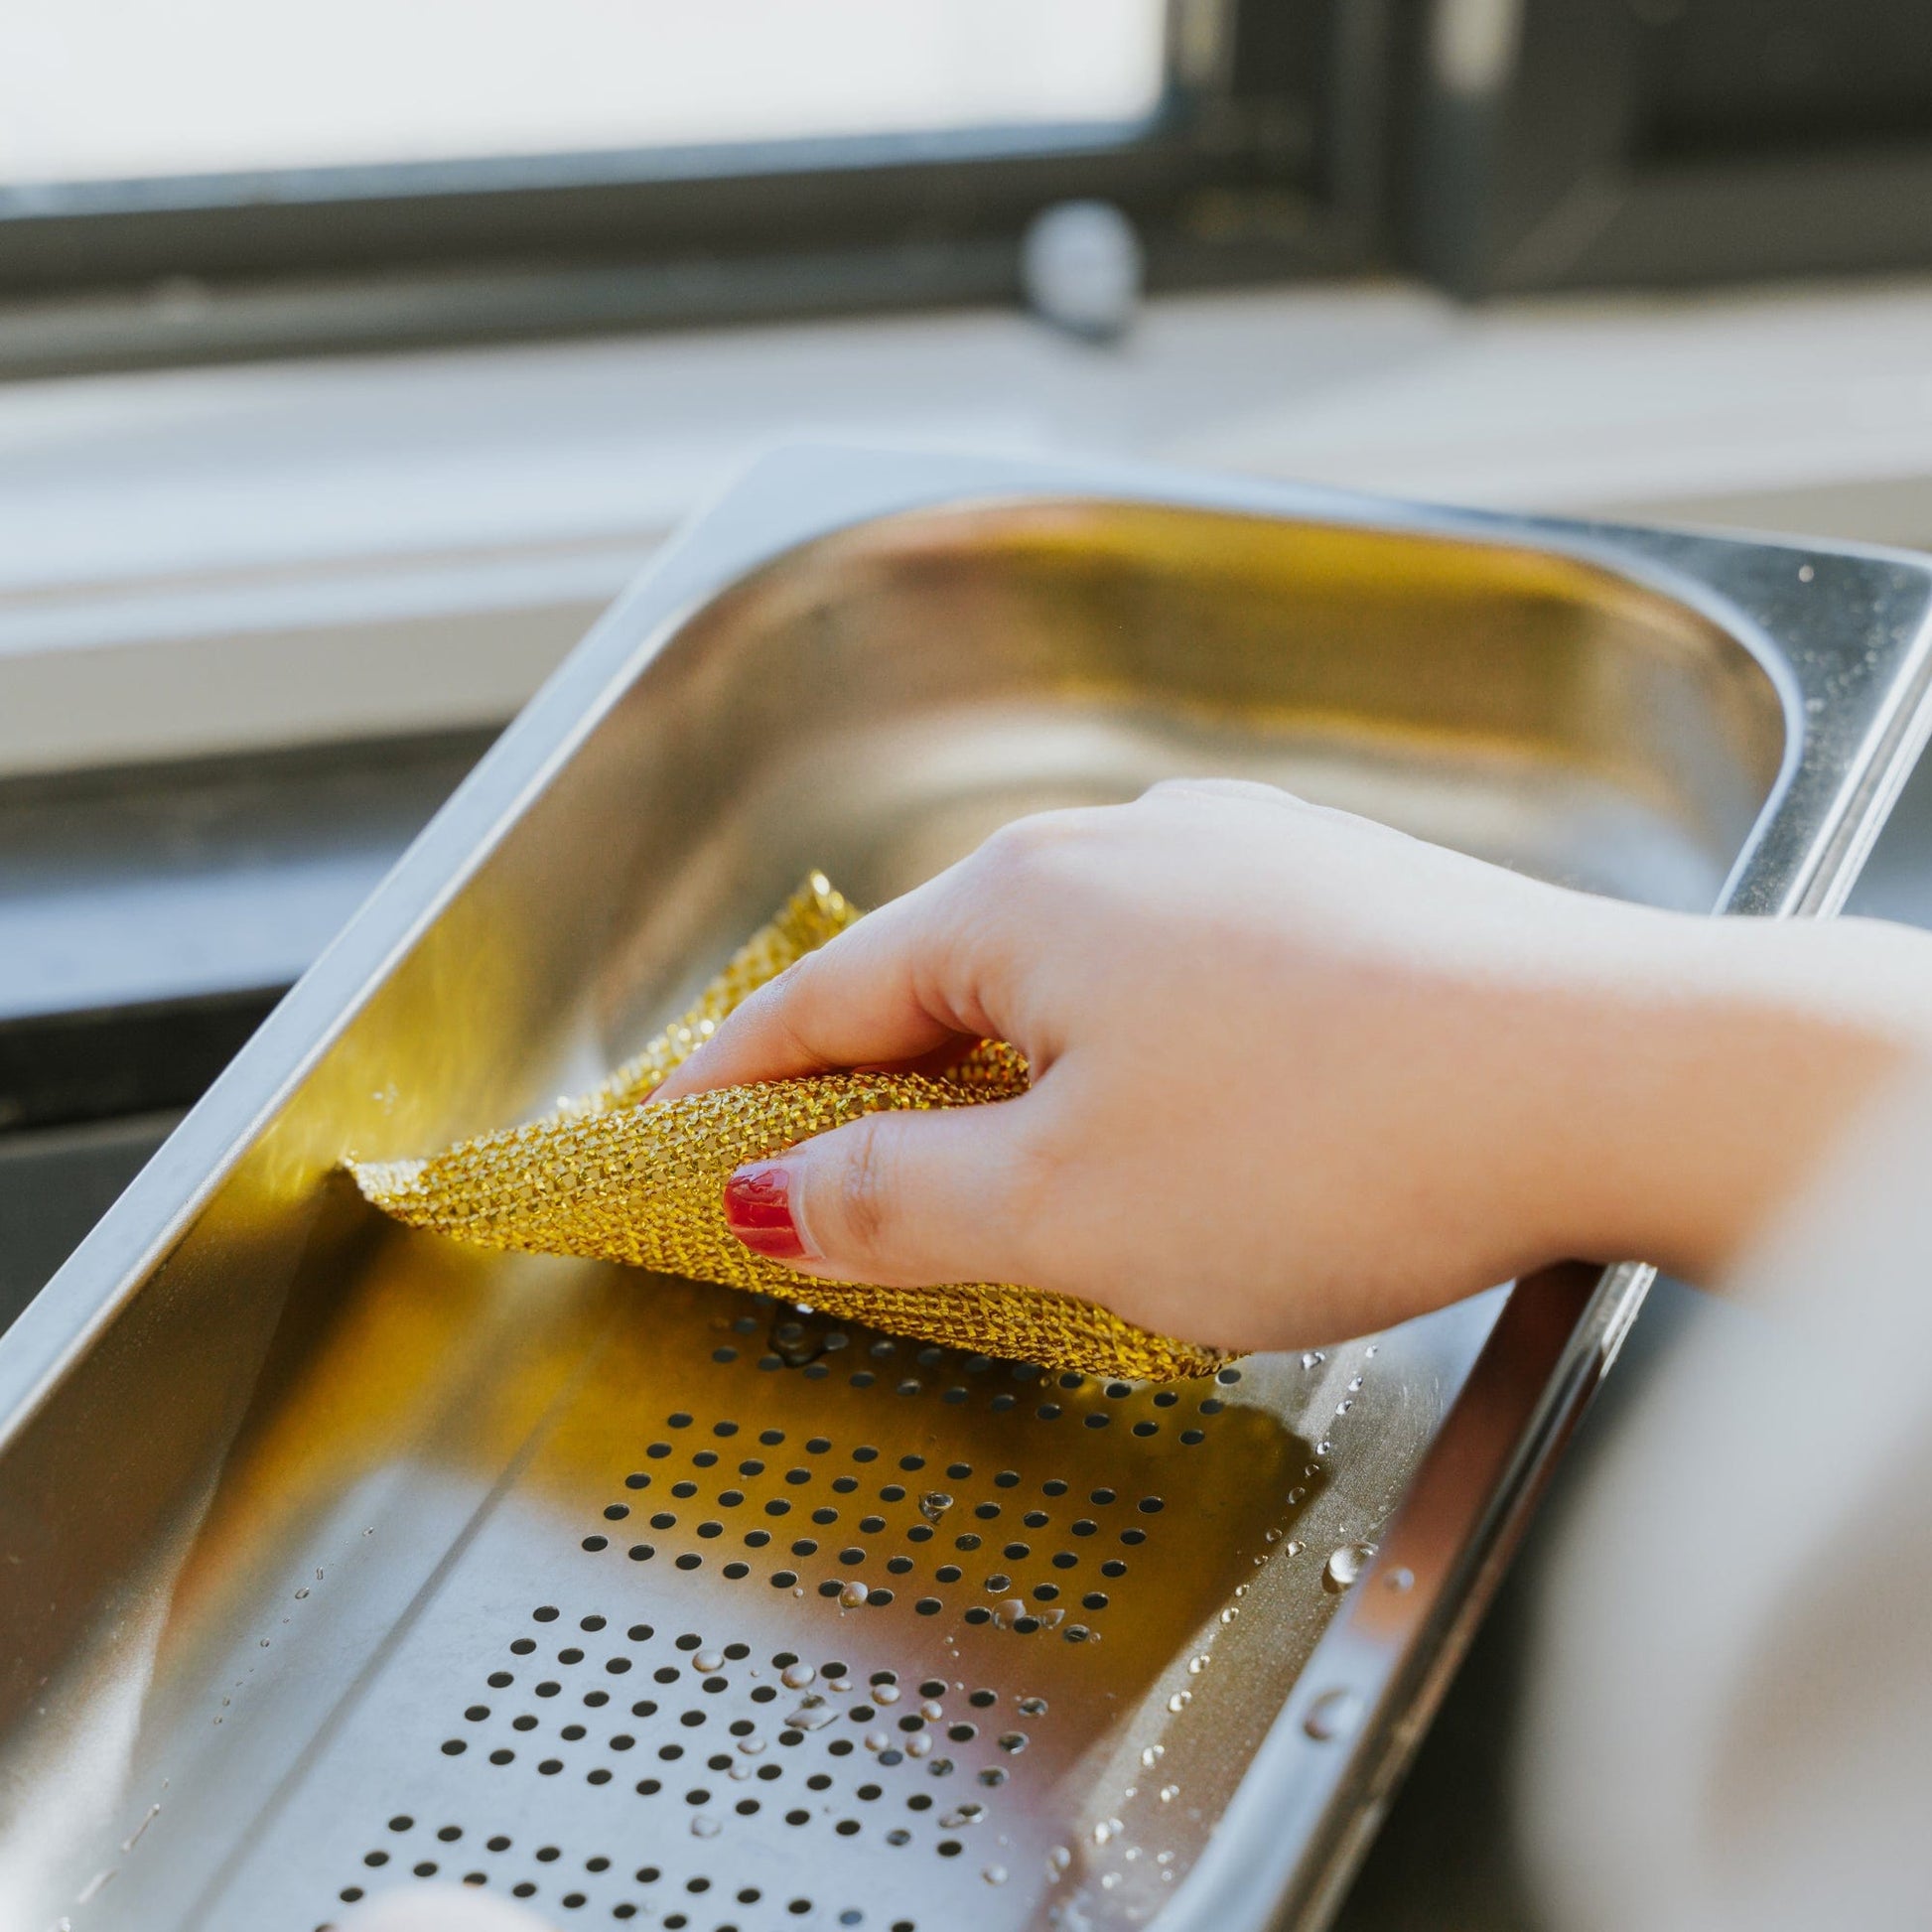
1177 787
1036 1188
1252 791
784 1009
1028 850
864 1189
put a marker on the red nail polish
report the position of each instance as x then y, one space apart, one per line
757 1210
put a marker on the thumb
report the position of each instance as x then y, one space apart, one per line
904 1199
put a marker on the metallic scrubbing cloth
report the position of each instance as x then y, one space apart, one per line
608 1177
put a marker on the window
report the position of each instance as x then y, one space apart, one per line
211 178
121 90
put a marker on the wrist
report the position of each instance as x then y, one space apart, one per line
1748 1049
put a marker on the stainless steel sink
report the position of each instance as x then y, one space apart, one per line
335 1554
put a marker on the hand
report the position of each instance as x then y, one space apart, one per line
1297 1076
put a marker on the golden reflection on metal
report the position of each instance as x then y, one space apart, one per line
353 1461
609 1178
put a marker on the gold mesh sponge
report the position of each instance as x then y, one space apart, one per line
609 1179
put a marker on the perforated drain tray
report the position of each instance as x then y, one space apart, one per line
339 1558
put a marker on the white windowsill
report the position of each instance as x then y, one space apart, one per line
205 560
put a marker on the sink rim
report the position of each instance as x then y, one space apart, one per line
1855 714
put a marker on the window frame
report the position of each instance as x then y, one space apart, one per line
1262 162
1530 167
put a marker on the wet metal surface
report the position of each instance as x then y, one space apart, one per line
336 1554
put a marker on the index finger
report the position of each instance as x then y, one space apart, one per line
893 988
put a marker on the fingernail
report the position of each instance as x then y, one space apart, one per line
758 1209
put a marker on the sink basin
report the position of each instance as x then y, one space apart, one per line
342 1558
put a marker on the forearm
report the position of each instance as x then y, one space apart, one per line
1719 1089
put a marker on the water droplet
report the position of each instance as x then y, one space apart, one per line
934 1504
1164 1858
1053 1618
703 1827
1195 1665
1229 1615
751 1746
853 1595
1345 1565
302 1592
877 1740
709 1662
993 1776
1355 1382
739 1771
1293 1547
134 1837
1274 1536
1181 1701
995 1875
1007 1614
1013 1741
918 1744
961 1815
813 1715
1109 1880
1326 1445
941 1767
1294 1496
794 1677
1332 1714
839 1683
1103 1830
1400 1578
932 1711
1152 1754
1032 1707
1168 1793
1312 1358
1057 1860
1375 1348
885 1694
